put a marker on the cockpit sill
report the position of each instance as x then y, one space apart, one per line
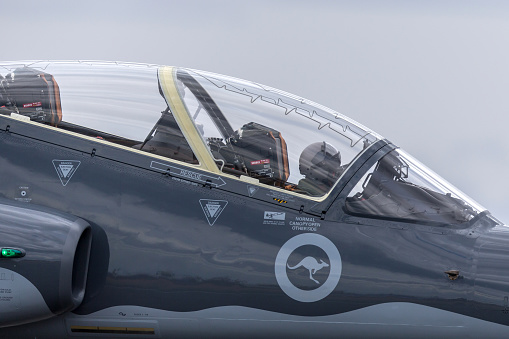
364 155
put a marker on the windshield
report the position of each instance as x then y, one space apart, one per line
399 187
269 135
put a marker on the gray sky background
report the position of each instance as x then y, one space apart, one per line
431 76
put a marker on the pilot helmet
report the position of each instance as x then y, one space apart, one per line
320 161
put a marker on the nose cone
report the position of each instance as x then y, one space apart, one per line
491 287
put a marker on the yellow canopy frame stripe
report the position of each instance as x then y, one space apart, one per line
167 79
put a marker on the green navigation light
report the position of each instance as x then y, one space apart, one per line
12 253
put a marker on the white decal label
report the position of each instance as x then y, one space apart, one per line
66 169
307 224
274 218
215 181
212 209
281 196
24 194
309 265
274 215
9 299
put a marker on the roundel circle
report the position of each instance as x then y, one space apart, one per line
309 263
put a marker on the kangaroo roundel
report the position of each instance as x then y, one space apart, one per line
312 267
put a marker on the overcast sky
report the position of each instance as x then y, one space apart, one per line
431 76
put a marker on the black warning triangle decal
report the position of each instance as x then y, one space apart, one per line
212 209
65 169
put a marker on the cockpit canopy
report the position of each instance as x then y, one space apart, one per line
214 122
264 133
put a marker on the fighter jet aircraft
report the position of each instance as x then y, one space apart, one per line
144 201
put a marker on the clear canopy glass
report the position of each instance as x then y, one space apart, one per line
272 136
223 124
400 187
119 103
122 100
